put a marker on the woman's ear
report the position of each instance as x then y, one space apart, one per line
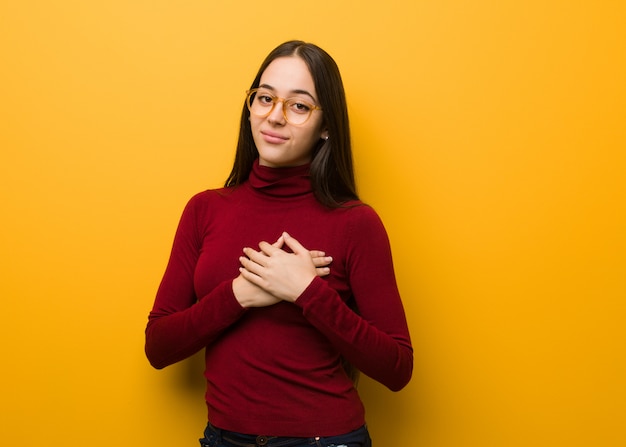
324 135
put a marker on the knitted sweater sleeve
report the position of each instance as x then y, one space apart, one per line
179 324
376 340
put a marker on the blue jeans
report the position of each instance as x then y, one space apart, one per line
215 437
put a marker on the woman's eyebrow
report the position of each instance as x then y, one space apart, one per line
296 91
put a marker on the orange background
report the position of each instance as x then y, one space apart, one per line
489 136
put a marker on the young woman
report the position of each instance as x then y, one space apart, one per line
283 276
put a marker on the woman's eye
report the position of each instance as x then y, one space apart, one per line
265 99
300 107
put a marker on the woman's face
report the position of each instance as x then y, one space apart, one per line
281 144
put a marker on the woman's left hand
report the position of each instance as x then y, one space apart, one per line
284 275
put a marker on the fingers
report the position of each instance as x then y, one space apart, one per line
263 257
321 264
253 260
280 242
319 258
317 253
249 267
322 271
249 275
321 261
283 268
292 243
268 249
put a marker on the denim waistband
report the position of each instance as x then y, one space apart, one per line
360 436
245 440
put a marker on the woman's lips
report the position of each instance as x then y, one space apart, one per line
273 138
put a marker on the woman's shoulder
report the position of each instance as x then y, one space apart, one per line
358 213
209 196
358 208
210 199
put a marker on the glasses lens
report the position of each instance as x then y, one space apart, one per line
297 111
260 103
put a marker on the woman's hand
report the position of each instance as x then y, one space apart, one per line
249 294
321 262
283 275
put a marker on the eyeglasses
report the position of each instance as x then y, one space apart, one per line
261 102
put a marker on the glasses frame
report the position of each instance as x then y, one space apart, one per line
276 99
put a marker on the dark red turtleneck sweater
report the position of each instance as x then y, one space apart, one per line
276 370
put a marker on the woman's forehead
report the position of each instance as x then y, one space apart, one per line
288 75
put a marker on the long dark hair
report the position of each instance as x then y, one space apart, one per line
332 170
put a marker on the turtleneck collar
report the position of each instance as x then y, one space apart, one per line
280 182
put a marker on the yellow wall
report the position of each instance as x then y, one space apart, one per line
489 135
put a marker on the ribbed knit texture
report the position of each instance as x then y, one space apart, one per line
277 370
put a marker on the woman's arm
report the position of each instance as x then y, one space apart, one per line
375 340
179 324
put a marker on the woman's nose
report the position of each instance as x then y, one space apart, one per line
277 115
